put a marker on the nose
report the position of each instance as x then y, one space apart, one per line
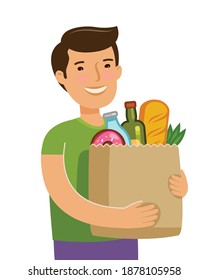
95 74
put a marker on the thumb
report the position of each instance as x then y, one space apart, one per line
182 173
136 204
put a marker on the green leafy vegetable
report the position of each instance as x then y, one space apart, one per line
169 133
175 136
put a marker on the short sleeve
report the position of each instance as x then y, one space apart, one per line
53 142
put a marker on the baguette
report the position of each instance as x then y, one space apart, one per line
154 114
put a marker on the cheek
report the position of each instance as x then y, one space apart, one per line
108 75
81 78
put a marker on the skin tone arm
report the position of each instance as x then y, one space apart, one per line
136 215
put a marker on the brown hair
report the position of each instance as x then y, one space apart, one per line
83 39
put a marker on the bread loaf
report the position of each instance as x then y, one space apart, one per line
154 114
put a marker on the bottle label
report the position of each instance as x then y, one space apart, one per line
135 142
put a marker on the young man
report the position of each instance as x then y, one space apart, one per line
86 64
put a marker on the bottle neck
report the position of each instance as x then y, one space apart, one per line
112 120
131 115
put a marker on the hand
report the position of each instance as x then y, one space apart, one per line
178 185
140 215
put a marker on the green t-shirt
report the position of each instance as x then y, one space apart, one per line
72 138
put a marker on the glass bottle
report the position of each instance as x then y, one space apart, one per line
134 127
112 122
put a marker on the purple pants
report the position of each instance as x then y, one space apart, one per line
121 249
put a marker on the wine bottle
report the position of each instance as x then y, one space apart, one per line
134 127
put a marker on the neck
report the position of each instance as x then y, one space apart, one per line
131 114
91 116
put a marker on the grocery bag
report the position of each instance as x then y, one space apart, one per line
121 175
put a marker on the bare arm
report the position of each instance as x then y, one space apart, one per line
72 203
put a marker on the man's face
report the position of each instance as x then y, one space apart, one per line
91 77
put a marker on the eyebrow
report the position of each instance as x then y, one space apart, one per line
108 59
78 62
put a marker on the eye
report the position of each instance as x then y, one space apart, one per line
80 68
107 66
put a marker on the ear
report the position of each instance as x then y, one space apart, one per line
119 71
60 77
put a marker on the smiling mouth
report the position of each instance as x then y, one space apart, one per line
96 90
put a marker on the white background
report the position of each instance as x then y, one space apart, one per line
164 52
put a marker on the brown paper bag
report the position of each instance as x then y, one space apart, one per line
121 175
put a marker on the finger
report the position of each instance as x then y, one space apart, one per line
175 188
178 194
146 208
150 224
149 219
174 182
135 204
150 213
176 178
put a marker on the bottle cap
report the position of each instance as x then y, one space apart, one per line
110 114
130 104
